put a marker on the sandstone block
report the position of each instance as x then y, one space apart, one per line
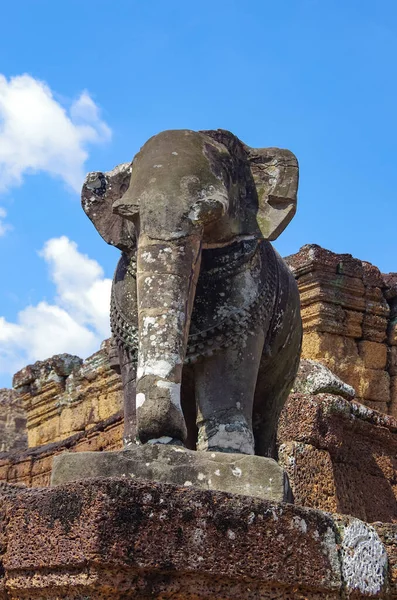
328 348
375 302
19 472
372 275
375 328
4 466
77 417
44 431
331 318
341 355
370 384
373 354
235 473
55 368
42 465
12 422
347 292
353 324
65 395
312 257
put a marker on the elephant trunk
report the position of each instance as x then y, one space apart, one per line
167 274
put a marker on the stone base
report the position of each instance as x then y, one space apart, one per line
113 539
235 473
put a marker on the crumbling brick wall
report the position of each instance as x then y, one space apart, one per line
65 395
12 422
349 315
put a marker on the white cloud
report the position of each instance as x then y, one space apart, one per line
76 323
38 134
4 227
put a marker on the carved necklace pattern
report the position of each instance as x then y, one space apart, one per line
228 330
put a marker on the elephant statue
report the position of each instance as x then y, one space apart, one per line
205 314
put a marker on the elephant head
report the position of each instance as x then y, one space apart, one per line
183 192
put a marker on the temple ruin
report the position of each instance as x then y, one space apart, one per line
340 454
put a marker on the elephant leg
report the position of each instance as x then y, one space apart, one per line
275 379
269 400
128 376
225 386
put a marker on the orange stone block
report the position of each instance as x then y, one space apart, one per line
373 354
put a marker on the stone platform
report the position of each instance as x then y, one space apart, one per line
118 539
226 472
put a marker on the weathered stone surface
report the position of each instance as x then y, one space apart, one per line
340 456
104 538
388 535
235 473
118 539
33 467
364 559
56 368
64 395
99 192
12 422
373 354
349 313
315 378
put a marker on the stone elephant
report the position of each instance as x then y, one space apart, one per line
205 314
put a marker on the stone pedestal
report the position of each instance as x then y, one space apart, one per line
112 539
235 473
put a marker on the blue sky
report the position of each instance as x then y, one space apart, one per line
84 84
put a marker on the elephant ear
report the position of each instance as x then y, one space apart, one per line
276 174
100 191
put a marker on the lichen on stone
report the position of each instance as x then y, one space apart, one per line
364 558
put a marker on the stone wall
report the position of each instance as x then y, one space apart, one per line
64 395
340 456
12 422
349 314
32 467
